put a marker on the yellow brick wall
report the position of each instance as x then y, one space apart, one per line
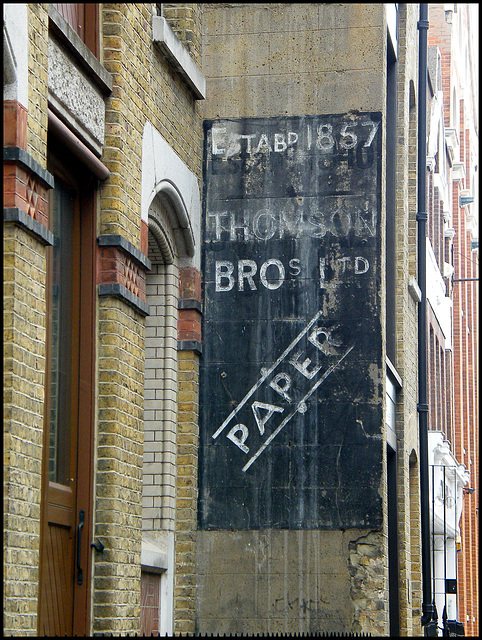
145 88
186 486
185 21
118 512
37 82
24 369
406 327
23 379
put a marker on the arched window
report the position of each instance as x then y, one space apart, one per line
170 210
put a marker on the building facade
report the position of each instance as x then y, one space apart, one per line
210 318
453 248
102 195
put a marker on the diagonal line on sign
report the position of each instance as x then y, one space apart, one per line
288 418
266 374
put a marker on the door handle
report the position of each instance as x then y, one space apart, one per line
80 576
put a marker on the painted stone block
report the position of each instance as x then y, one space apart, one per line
290 382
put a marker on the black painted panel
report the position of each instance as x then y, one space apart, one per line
290 396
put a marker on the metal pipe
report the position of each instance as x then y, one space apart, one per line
429 615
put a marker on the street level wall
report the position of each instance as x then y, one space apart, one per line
281 60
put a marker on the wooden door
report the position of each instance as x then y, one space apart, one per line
67 465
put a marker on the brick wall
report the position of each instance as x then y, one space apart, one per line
445 30
145 88
186 488
406 327
24 370
37 82
160 400
119 468
24 275
185 21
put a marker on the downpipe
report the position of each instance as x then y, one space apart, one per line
429 612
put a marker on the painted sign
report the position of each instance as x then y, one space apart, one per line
290 382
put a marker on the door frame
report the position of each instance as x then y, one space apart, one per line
64 165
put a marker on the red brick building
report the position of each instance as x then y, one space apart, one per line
453 234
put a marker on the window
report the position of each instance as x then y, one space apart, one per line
84 20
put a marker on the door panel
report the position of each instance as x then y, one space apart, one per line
67 465
57 609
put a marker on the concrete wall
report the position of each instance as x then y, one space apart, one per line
281 60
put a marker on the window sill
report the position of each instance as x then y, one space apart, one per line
170 45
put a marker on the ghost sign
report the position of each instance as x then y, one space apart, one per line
290 382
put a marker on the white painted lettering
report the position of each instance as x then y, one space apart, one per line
290 222
350 138
281 389
303 367
263 143
233 227
361 265
328 345
322 267
325 140
246 270
239 440
316 221
281 274
374 126
248 139
279 142
314 338
262 420
343 263
340 222
218 224
292 138
224 270
324 137
218 139
294 265
264 225
366 221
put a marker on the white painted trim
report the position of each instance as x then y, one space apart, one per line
414 289
157 560
392 14
166 617
163 172
15 20
171 46
152 557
